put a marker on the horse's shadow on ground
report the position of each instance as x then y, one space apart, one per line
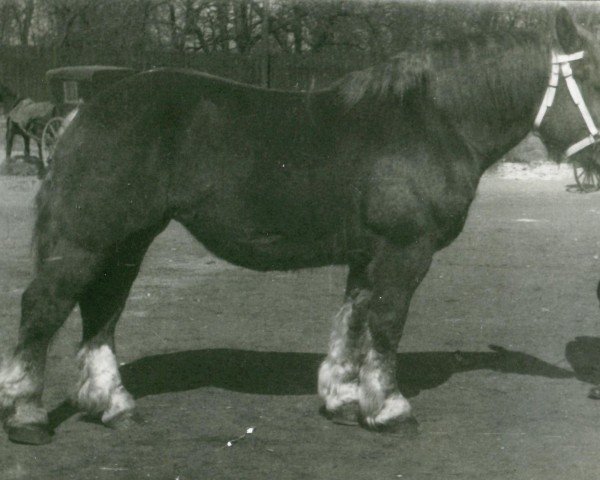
279 373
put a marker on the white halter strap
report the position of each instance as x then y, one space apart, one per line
561 66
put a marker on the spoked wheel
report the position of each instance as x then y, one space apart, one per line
50 135
587 176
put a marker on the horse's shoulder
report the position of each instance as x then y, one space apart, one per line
409 193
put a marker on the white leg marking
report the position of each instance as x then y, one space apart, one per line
338 375
15 382
121 401
338 384
380 402
27 413
100 389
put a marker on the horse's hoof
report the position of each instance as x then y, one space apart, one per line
30 434
594 393
345 415
123 421
406 426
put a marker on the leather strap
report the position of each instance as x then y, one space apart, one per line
561 67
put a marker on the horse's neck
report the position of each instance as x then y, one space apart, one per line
490 143
494 118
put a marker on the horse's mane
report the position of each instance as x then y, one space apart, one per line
455 73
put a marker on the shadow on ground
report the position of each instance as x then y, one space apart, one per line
278 373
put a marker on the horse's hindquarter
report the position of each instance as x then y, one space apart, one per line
112 166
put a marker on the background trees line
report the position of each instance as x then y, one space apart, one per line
308 40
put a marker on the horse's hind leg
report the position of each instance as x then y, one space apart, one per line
338 375
45 305
100 391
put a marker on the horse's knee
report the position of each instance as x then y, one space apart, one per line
41 313
386 316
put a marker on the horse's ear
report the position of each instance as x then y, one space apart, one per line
566 32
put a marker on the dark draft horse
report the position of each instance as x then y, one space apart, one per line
9 101
376 172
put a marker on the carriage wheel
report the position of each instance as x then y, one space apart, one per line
50 135
587 176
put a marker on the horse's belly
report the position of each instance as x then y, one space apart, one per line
274 251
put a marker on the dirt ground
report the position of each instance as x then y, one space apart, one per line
501 346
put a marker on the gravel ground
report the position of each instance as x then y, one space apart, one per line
500 349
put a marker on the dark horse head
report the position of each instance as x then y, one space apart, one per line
492 86
567 121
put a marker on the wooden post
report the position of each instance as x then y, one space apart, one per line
266 60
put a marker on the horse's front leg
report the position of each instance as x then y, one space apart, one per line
338 375
394 274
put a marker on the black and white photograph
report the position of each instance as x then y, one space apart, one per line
299 239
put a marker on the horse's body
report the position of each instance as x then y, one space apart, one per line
376 172
31 129
268 180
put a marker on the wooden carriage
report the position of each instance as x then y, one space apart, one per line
587 174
